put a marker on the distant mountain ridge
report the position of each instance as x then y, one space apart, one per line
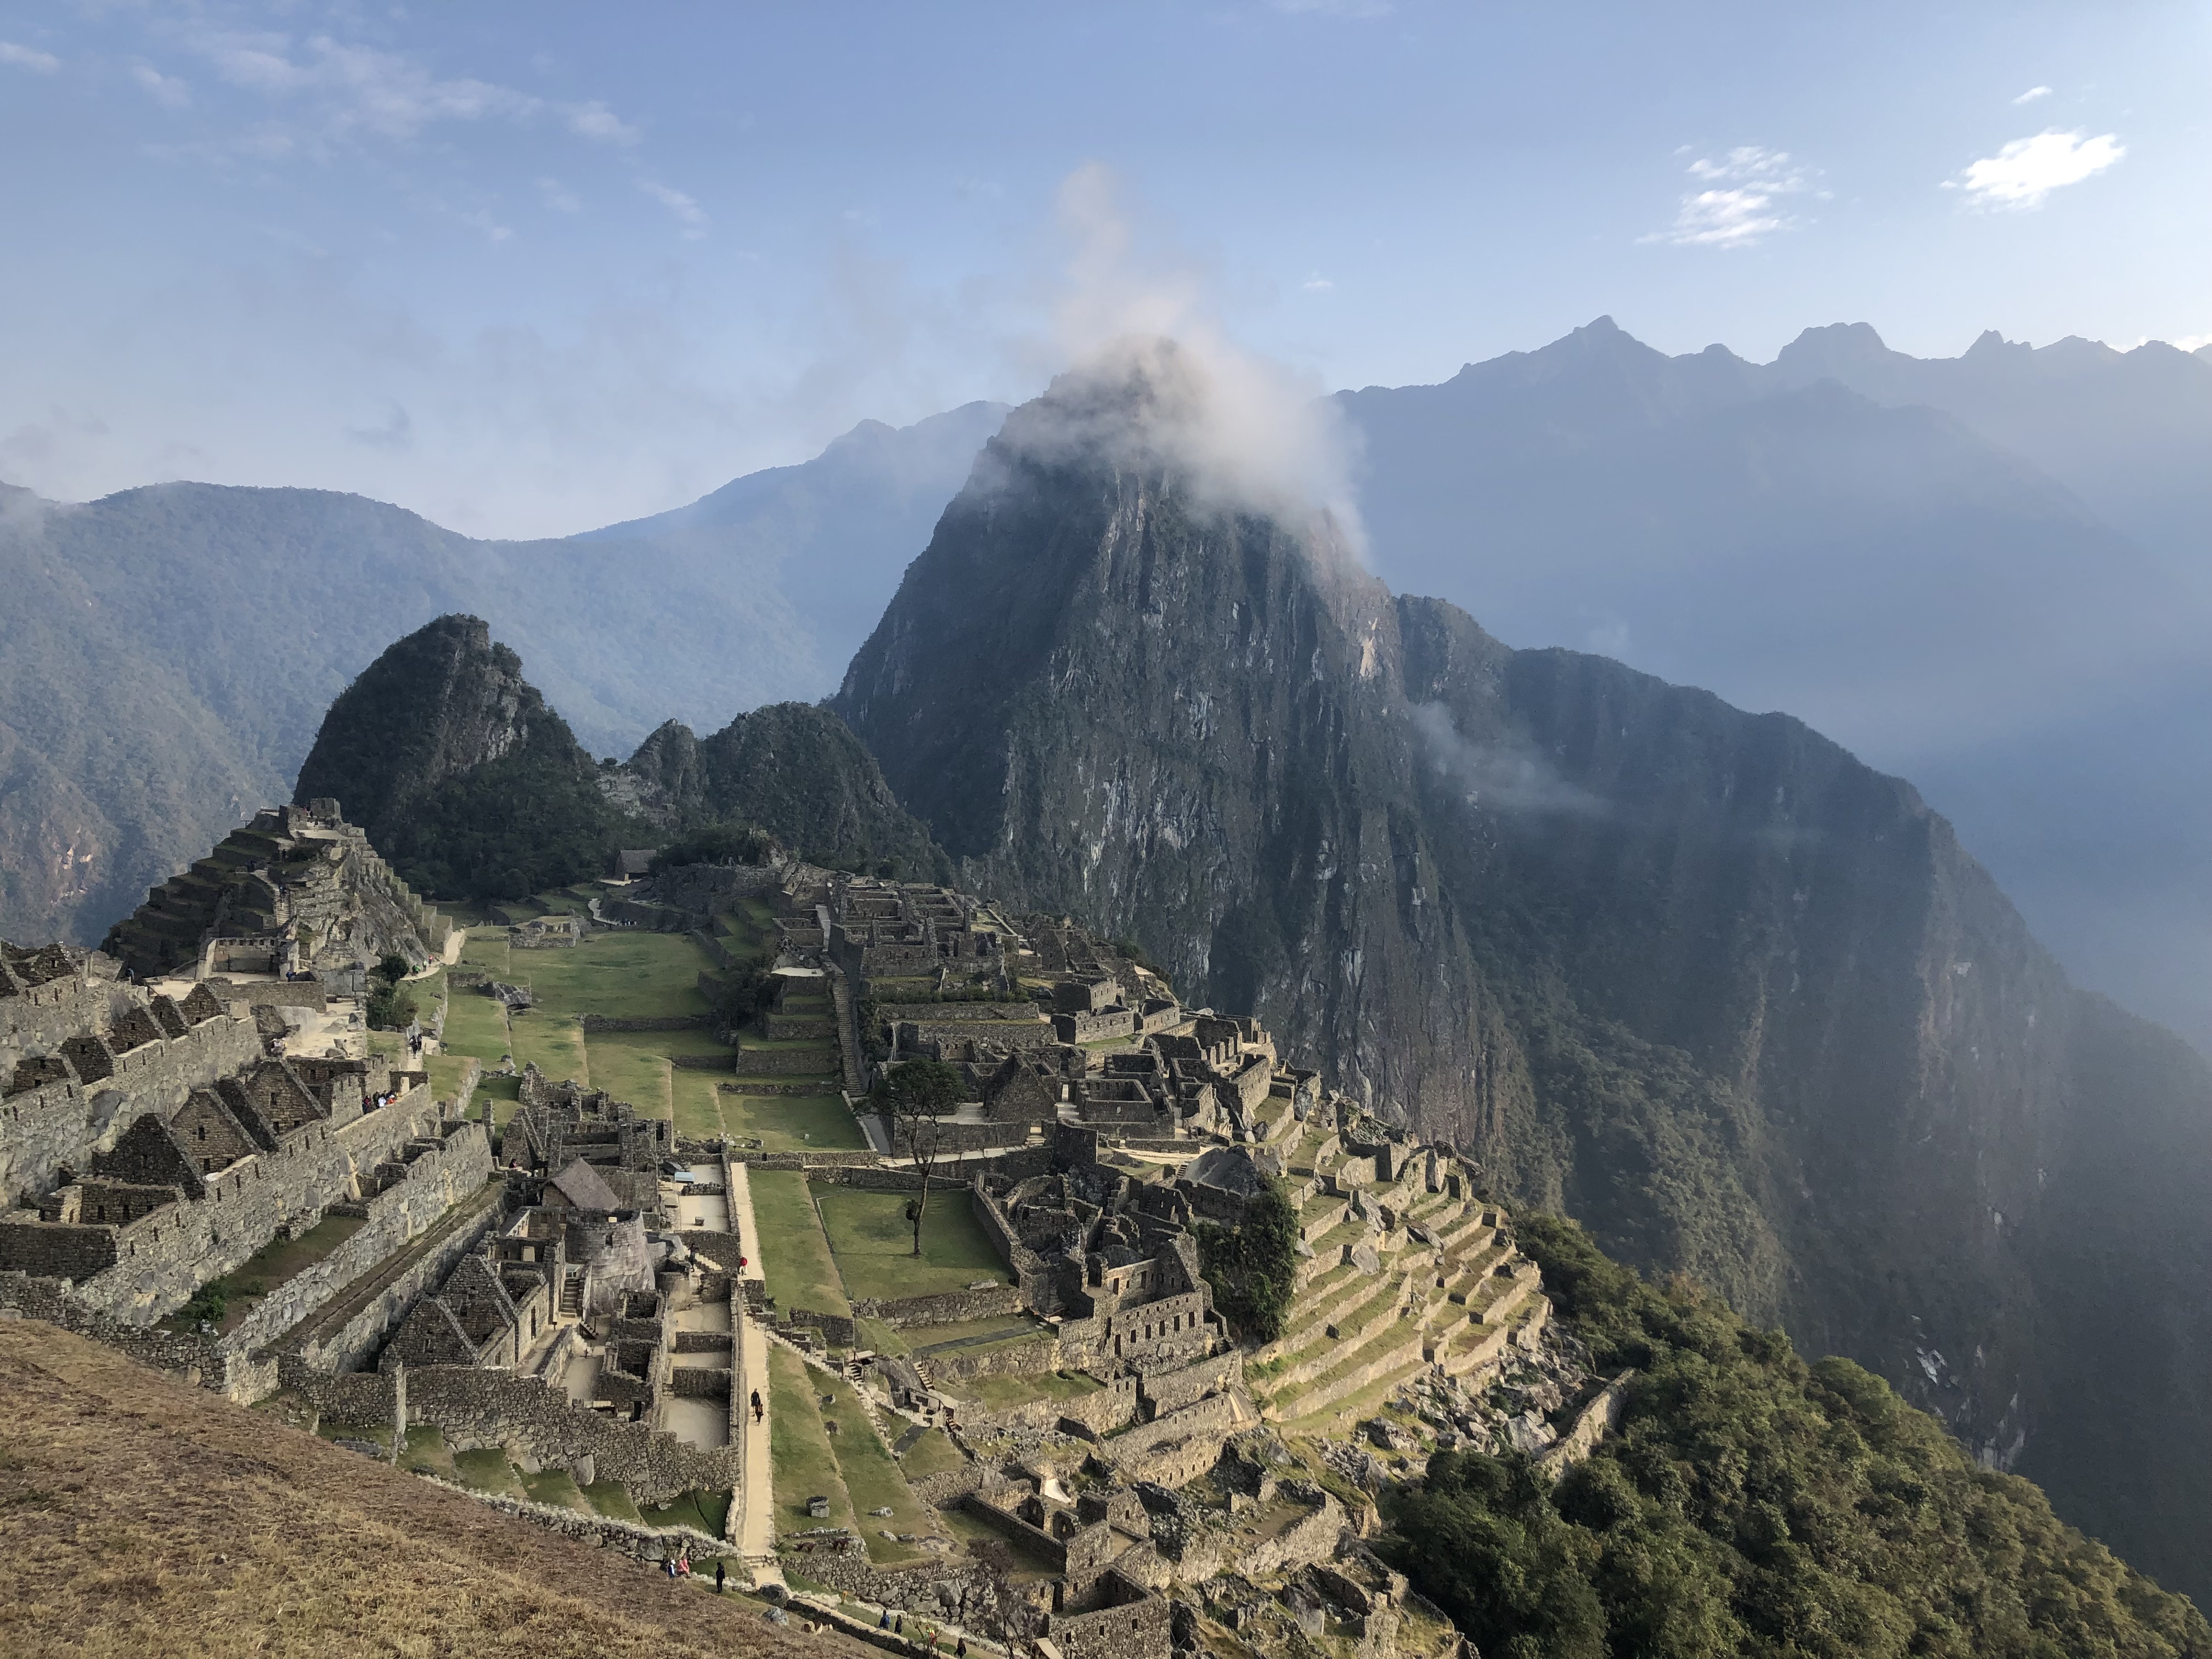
1989 572
1919 557
168 653
1697 975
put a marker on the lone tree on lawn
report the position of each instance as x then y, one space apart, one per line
914 1097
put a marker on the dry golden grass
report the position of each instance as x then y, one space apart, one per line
139 1516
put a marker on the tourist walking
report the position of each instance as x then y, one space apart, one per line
757 1413
718 1577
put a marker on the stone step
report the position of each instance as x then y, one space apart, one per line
1366 1326
1366 1365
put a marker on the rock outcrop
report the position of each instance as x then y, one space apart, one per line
792 769
1695 975
459 771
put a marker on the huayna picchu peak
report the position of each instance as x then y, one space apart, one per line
1695 976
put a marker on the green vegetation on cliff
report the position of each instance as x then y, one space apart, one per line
460 775
1753 1504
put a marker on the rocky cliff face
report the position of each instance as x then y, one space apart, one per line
792 769
1697 976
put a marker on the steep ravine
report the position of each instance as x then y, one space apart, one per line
1698 976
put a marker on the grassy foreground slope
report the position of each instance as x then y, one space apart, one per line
138 1515
1755 1504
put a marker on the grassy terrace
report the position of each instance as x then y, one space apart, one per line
799 1447
871 1478
794 1255
998 1394
787 1123
279 1259
873 1244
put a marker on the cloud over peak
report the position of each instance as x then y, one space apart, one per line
2025 171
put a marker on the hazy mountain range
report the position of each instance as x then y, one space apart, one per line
1990 573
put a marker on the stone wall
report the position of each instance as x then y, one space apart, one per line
356 1399
1138 1629
192 1359
352 1341
1039 1285
951 1589
658 1023
475 1408
171 1255
1171 1390
66 1121
1035 1541
947 1307
1174 1449
435 1181
784 1062
653 1543
1592 1423
944 1012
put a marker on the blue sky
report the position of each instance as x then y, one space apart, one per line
530 268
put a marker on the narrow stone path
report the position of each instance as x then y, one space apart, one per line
755 1530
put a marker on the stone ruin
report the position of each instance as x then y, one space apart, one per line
297 891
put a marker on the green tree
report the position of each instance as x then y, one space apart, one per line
915 1097
1254 1266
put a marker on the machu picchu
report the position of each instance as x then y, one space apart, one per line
673 1319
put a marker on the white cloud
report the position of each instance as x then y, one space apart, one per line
559 196
167 90
1742 201
1155 380
2191 342
688 212
346 93
1318 283
2026 170
2031 94
596 120
29 57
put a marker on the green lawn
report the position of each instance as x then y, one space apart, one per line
487 1469
446 1073
623 975
703 1511
799 1447
630 1067
934 1453
793 1123
426 1451
998 1394
794 1256
695 1104
611 1498
476 1024
553 1042
872 1479
486 949
557 1488
873 1244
